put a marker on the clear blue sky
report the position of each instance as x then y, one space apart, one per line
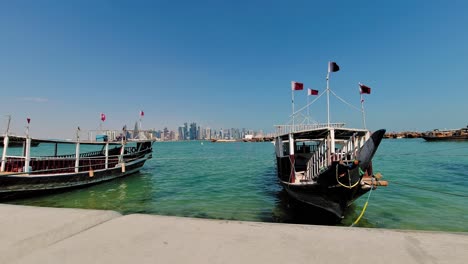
229 64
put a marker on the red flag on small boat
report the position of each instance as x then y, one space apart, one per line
28 119
312 92
296 86
103 117
363 89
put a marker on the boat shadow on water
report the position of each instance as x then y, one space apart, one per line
291 211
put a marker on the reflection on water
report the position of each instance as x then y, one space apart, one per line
117 195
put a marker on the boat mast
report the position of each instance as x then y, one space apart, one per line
363 112
308 115
106 151
8 125
5 145
27 157
328 98
332 67
292 100
77 156
77 150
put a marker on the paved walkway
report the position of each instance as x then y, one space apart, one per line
52 235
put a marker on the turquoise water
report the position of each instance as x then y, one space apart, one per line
428 187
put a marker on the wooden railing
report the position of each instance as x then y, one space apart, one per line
67 163
318 161
286 129
322 157
116 135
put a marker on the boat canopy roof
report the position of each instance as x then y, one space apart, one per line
65 141
320 133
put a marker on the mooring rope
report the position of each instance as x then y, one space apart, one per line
365 206
349 178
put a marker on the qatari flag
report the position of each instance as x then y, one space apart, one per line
364 89
312 92
142 114
103 117
296 86
333 67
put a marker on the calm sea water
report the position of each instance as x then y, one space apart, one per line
428 186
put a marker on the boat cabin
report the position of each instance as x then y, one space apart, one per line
315 148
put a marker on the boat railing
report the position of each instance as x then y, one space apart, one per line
116 135
322 157
318 160
67 163
286 129
349 149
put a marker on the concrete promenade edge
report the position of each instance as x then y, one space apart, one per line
53 235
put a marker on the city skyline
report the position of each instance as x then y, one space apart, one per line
230 63
194 131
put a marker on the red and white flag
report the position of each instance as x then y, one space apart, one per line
142 114
363 89
297 86
312 92
103 117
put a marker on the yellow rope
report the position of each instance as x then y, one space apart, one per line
346 186
362 213
365 205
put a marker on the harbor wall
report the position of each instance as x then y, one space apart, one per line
52 235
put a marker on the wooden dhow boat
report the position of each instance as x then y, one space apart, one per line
327 165
446 135
64 164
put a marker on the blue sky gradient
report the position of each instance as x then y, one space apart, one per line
228 64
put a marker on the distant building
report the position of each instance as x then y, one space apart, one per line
181 135
186 134
193 131
172 135
165 134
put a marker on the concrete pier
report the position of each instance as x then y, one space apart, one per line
51 235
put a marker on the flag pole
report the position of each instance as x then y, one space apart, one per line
363 112
328 96
293 114
27 127
332 67
308 116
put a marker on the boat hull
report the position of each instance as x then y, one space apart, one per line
17 186
334 199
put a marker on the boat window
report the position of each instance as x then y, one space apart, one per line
302 147
285 148
306 146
